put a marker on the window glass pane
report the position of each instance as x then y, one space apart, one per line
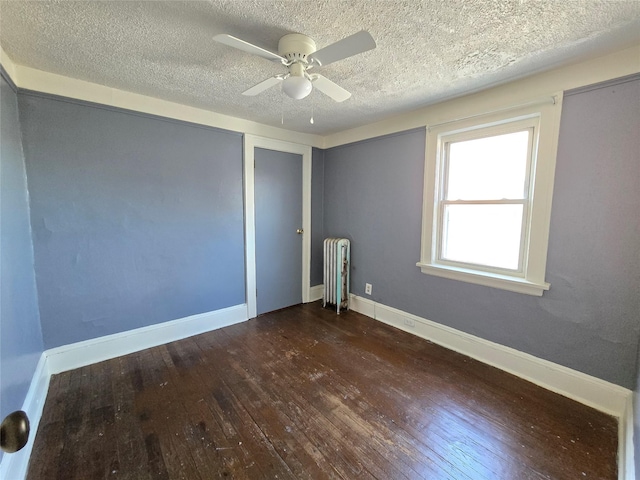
483 234
491 168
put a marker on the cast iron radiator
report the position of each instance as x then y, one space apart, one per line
337 260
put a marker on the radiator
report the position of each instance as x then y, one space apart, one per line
337 260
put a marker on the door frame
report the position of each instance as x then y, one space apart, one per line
250 143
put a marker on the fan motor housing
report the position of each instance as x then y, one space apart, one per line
296 47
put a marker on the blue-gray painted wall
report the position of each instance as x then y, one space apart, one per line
20 336
589 319
317 205
136 220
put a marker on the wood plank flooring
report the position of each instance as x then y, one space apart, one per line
303 393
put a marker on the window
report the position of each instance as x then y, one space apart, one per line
488 188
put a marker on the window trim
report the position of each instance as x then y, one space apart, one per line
544 113
529 123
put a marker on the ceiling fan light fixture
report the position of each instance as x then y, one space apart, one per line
298 53
296 87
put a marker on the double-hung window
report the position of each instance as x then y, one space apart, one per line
488 187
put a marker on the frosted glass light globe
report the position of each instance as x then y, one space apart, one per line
296 87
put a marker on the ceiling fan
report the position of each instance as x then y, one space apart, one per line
298 53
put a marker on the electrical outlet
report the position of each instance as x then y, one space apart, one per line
409 322
367 288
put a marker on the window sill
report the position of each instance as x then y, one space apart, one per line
504 282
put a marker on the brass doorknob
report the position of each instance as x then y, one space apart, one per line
14 431
299 231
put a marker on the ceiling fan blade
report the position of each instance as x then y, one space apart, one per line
262 86
352 45
247 47
329 88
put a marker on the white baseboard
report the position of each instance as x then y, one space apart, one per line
363 306
316 293
75 355
603 396
626 454
594 392
14 465
67 357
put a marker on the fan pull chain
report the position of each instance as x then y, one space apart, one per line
311 120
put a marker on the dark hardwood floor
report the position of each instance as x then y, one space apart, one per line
303 393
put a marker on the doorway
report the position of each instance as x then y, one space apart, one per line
276 206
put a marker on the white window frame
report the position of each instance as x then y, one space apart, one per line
543 116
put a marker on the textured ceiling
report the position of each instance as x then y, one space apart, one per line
427 50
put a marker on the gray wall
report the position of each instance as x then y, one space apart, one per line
136 220
20 335
317 207
588 321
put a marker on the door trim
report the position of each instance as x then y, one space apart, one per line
250 143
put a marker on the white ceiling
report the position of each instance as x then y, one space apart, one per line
427 50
